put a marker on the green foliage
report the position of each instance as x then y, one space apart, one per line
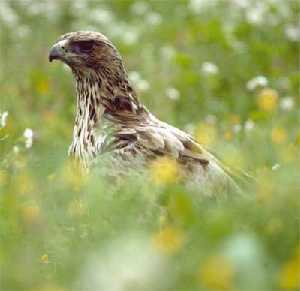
228 72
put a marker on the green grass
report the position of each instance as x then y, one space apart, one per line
61 231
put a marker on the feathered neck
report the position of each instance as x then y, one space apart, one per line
110 92
100 97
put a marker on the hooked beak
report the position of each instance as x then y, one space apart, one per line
56 52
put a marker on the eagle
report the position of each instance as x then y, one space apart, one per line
111 119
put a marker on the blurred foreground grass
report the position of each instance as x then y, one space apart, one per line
228 72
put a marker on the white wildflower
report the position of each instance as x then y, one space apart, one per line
16 149
258 81
79 5
129 36
36 8
275 167
134 76
48 9
241 3
237 128
209 68
7 15
197 6
101 16
3 118
142 85
136 79
167 52
116 31
172 93
256 14
28 135
249 125
154 18
292 32
287 103
139 8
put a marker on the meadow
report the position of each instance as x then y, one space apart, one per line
225 71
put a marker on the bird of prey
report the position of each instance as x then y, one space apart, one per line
110 118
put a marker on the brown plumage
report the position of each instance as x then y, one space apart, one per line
111 119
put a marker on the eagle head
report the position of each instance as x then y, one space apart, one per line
86 50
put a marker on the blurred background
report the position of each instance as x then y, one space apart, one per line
225 71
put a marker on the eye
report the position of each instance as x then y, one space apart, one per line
83 46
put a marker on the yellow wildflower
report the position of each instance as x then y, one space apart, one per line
289 277
267 100
234 119
278 135
164 170
45 259
30 213
168 240
228 135
217 273
206 134
42 86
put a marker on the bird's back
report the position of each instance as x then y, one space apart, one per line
152 139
